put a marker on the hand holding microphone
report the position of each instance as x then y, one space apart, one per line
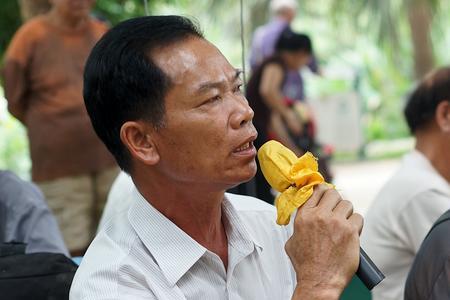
325 245
324 248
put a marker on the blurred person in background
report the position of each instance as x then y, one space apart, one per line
264 41
429 277
265 96
43 80
418 193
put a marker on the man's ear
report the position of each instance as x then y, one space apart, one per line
443 116
137 136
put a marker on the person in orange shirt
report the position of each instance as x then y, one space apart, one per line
43 79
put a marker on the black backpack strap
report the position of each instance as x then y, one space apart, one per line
13 248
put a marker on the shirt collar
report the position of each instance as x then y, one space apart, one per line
237 233
174 251
418 160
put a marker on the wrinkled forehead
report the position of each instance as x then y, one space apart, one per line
192 61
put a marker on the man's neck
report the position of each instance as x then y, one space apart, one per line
66 23
436 150
198 212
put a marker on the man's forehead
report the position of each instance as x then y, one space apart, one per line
192 58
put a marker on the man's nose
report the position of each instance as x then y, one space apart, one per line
242 114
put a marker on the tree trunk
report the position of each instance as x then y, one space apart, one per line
259 14
31 8
420 18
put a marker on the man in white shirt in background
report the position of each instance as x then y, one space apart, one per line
418 193
168 105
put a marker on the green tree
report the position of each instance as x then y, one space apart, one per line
388 18
9 22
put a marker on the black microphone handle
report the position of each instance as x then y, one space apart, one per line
367 271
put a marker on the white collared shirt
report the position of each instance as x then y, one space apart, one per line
140 254
399 219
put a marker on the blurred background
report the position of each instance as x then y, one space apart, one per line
370 52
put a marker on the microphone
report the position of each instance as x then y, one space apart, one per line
368 271
295 177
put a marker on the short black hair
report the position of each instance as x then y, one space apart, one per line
122 82
293 42
423 101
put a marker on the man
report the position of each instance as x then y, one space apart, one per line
429 275
25 217
43 85
168 105
265 39
418 193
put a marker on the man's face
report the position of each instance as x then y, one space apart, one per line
208 134
73 8
297 60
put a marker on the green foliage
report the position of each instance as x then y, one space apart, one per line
9 22
13 143
383 91
116 11
352 60
363 46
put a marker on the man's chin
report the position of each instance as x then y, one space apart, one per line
244 176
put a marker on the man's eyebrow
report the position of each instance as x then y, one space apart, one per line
218 84
238 74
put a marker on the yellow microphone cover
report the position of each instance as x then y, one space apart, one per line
293 177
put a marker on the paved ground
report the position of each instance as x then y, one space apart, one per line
360 181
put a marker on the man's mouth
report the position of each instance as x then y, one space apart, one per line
244 147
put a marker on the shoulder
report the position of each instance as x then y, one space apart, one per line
271 73
98 26
273 64
418 172
115 251
7 177
32 29
13 188
422 209
432 260
26 38
414 179
272 68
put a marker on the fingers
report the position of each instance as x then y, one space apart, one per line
327 201
330 199
316 197
357 221
344 208
324 197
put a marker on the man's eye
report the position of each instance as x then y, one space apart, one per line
213 99
238 89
